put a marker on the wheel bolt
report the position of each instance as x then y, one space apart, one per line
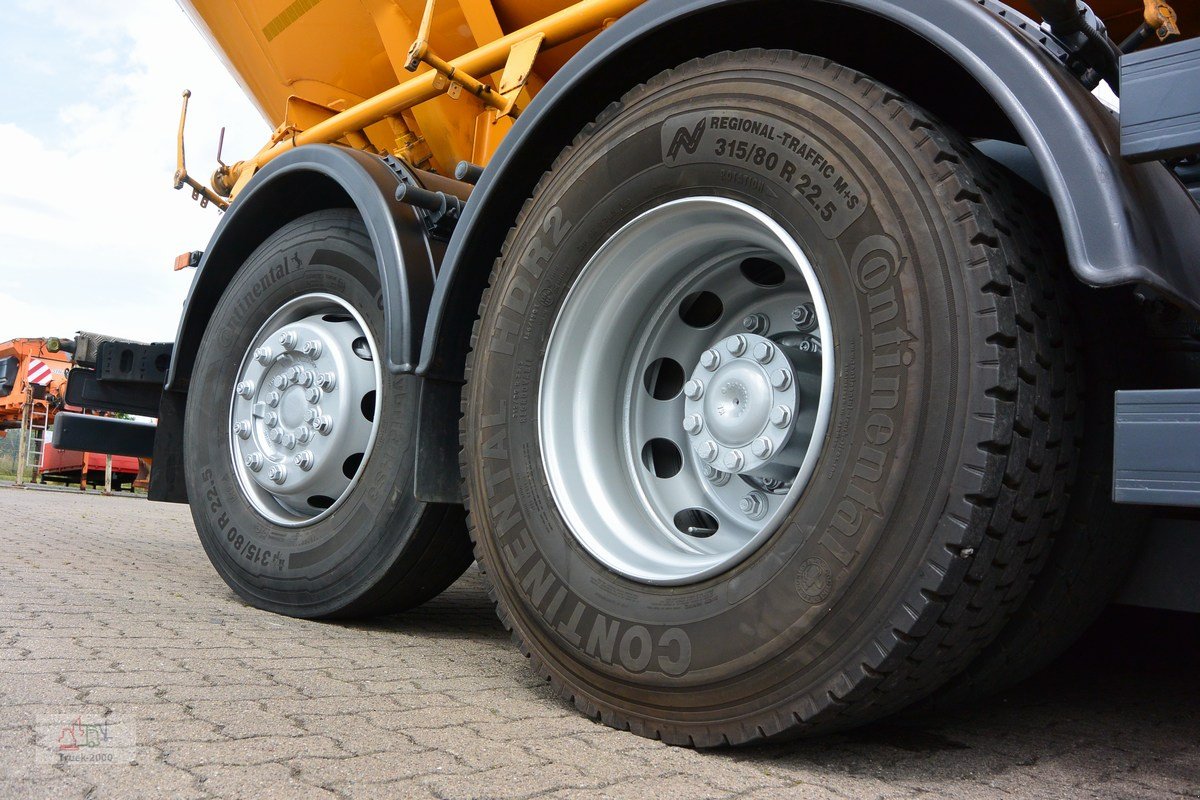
693 390
295 374
277 473
242 429
735 460
280 382
710 360
272 419
323 424
693 424
303 460
311 348
275 435
736 345
756 323
306 378
781 379
304 434
714 475
288 339
805 317
245 389
289 441
263 355
326 381
707 451
312 415
763 353
273 399
254 461
781 416
313 395
754 505
762 447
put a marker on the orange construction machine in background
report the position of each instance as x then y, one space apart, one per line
33 381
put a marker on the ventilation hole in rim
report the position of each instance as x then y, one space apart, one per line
701 309
337 318
762 272
367 406
696 522
662 457
320 501
351 464
664 379
362 348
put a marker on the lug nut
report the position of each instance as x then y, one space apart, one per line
762 447
763 353
245 389
288 339
756 323
735 460
304 434
280 382
323 424
693 424
781 379
313 395
272 419
311 348
277 473
805 317
295 374
693 390
754 505
326 381
781 416
736 345
254 461
714 475
242 429
306 378
275 435
312 414
303 460
289 441
263 355
710 360
707 451
273 399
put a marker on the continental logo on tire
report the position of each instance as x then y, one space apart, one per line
814 581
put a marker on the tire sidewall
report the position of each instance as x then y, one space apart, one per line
864 524
312 569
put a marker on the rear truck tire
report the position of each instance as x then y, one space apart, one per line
768 412
298 443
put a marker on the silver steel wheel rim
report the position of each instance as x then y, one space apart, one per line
639 470
302 414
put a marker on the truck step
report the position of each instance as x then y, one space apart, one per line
1156 447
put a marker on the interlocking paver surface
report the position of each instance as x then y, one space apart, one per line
109 609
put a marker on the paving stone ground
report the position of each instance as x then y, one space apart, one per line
109 609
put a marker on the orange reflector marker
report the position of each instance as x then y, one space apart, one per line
185 260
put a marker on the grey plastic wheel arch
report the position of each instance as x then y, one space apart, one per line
299 182
1122 223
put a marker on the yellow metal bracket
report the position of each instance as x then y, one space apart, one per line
1162 18
453 80
199 191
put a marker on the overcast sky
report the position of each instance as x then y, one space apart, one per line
89 107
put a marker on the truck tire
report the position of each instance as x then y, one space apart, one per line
298 444
767 406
